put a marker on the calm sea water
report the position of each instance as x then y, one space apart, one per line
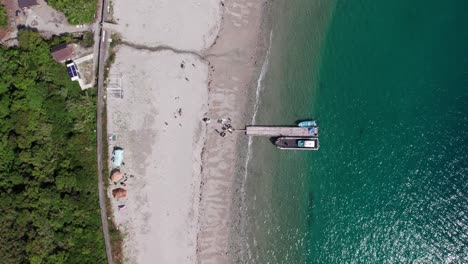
388 82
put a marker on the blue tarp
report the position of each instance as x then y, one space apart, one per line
117 157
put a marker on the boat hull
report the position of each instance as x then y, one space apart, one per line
311 123
293 143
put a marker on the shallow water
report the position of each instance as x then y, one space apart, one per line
388 81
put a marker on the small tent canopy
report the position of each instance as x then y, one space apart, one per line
117 156
116 176
119 193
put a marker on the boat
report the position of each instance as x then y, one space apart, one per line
309 123
297 143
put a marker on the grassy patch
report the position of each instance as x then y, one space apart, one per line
3 17
76 11
116 40
88 40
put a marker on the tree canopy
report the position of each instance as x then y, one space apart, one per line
48 186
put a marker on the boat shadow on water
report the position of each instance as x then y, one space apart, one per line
273 140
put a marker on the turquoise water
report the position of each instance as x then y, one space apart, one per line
388 82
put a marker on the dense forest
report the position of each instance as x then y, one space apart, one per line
3 17
49 211
76 11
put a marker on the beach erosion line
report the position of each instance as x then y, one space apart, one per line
259 89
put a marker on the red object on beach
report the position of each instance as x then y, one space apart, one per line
119 193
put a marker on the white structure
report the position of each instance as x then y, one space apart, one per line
114 86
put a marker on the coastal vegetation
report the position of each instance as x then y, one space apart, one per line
116 40
76 11
48 191
115 236
3 17
88 40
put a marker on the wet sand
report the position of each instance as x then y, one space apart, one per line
235 65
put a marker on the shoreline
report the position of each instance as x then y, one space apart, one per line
247 153
240 234
268 186
221 217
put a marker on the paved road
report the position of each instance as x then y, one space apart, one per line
100 45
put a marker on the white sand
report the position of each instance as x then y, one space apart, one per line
180 24
160 218
174 213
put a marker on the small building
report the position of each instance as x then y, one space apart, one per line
62 52
27 3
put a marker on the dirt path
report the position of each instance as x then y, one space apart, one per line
101 46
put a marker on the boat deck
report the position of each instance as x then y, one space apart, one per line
281 131
291 143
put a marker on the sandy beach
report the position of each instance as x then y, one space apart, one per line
235 64
157 123
180 62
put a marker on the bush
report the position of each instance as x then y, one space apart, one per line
88 39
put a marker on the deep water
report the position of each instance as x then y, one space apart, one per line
388 82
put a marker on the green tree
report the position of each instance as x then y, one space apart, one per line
49 209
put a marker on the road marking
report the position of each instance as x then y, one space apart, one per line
103 36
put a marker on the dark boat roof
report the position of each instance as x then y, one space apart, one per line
291 142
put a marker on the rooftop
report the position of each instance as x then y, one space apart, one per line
62 52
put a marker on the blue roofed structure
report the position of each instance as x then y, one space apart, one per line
72 71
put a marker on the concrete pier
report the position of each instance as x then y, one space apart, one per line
281 131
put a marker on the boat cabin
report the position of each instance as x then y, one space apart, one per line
306 143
